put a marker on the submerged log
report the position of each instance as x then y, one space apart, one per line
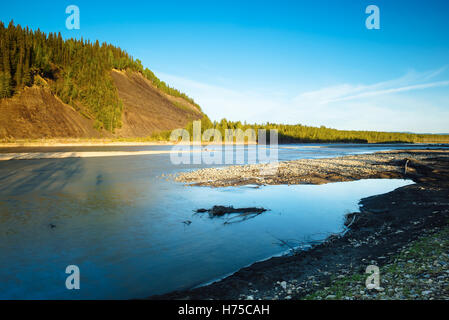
217 211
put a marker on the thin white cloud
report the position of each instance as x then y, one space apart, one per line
345 92
392 90
382 106
219 102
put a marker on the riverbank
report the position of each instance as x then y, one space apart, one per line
131 142
386 227
84 154
419 271
135 142
77 143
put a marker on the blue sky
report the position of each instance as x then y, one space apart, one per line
309 62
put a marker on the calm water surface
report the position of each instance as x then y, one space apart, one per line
121 222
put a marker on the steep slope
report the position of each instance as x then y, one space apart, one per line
36 113
148 110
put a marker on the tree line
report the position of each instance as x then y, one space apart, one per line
297 133
77 71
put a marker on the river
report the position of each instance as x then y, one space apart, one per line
133 233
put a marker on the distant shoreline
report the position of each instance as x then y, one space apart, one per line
99 143
136 142
84 154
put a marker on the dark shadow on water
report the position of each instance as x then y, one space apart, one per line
25 176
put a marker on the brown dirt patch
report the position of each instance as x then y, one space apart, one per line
36 113
146 109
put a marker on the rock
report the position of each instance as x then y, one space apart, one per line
283 284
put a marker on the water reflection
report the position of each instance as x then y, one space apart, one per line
126 228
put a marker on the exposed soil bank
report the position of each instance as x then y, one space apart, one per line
37 113
386 224
148 110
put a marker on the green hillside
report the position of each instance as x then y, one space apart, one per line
77 71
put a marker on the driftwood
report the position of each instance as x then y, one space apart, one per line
218 211
242 214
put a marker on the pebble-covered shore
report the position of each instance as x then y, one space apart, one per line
306 171
418 271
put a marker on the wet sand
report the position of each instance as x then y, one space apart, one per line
84 154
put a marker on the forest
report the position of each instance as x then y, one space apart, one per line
297 133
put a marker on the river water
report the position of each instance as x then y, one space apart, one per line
133 233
